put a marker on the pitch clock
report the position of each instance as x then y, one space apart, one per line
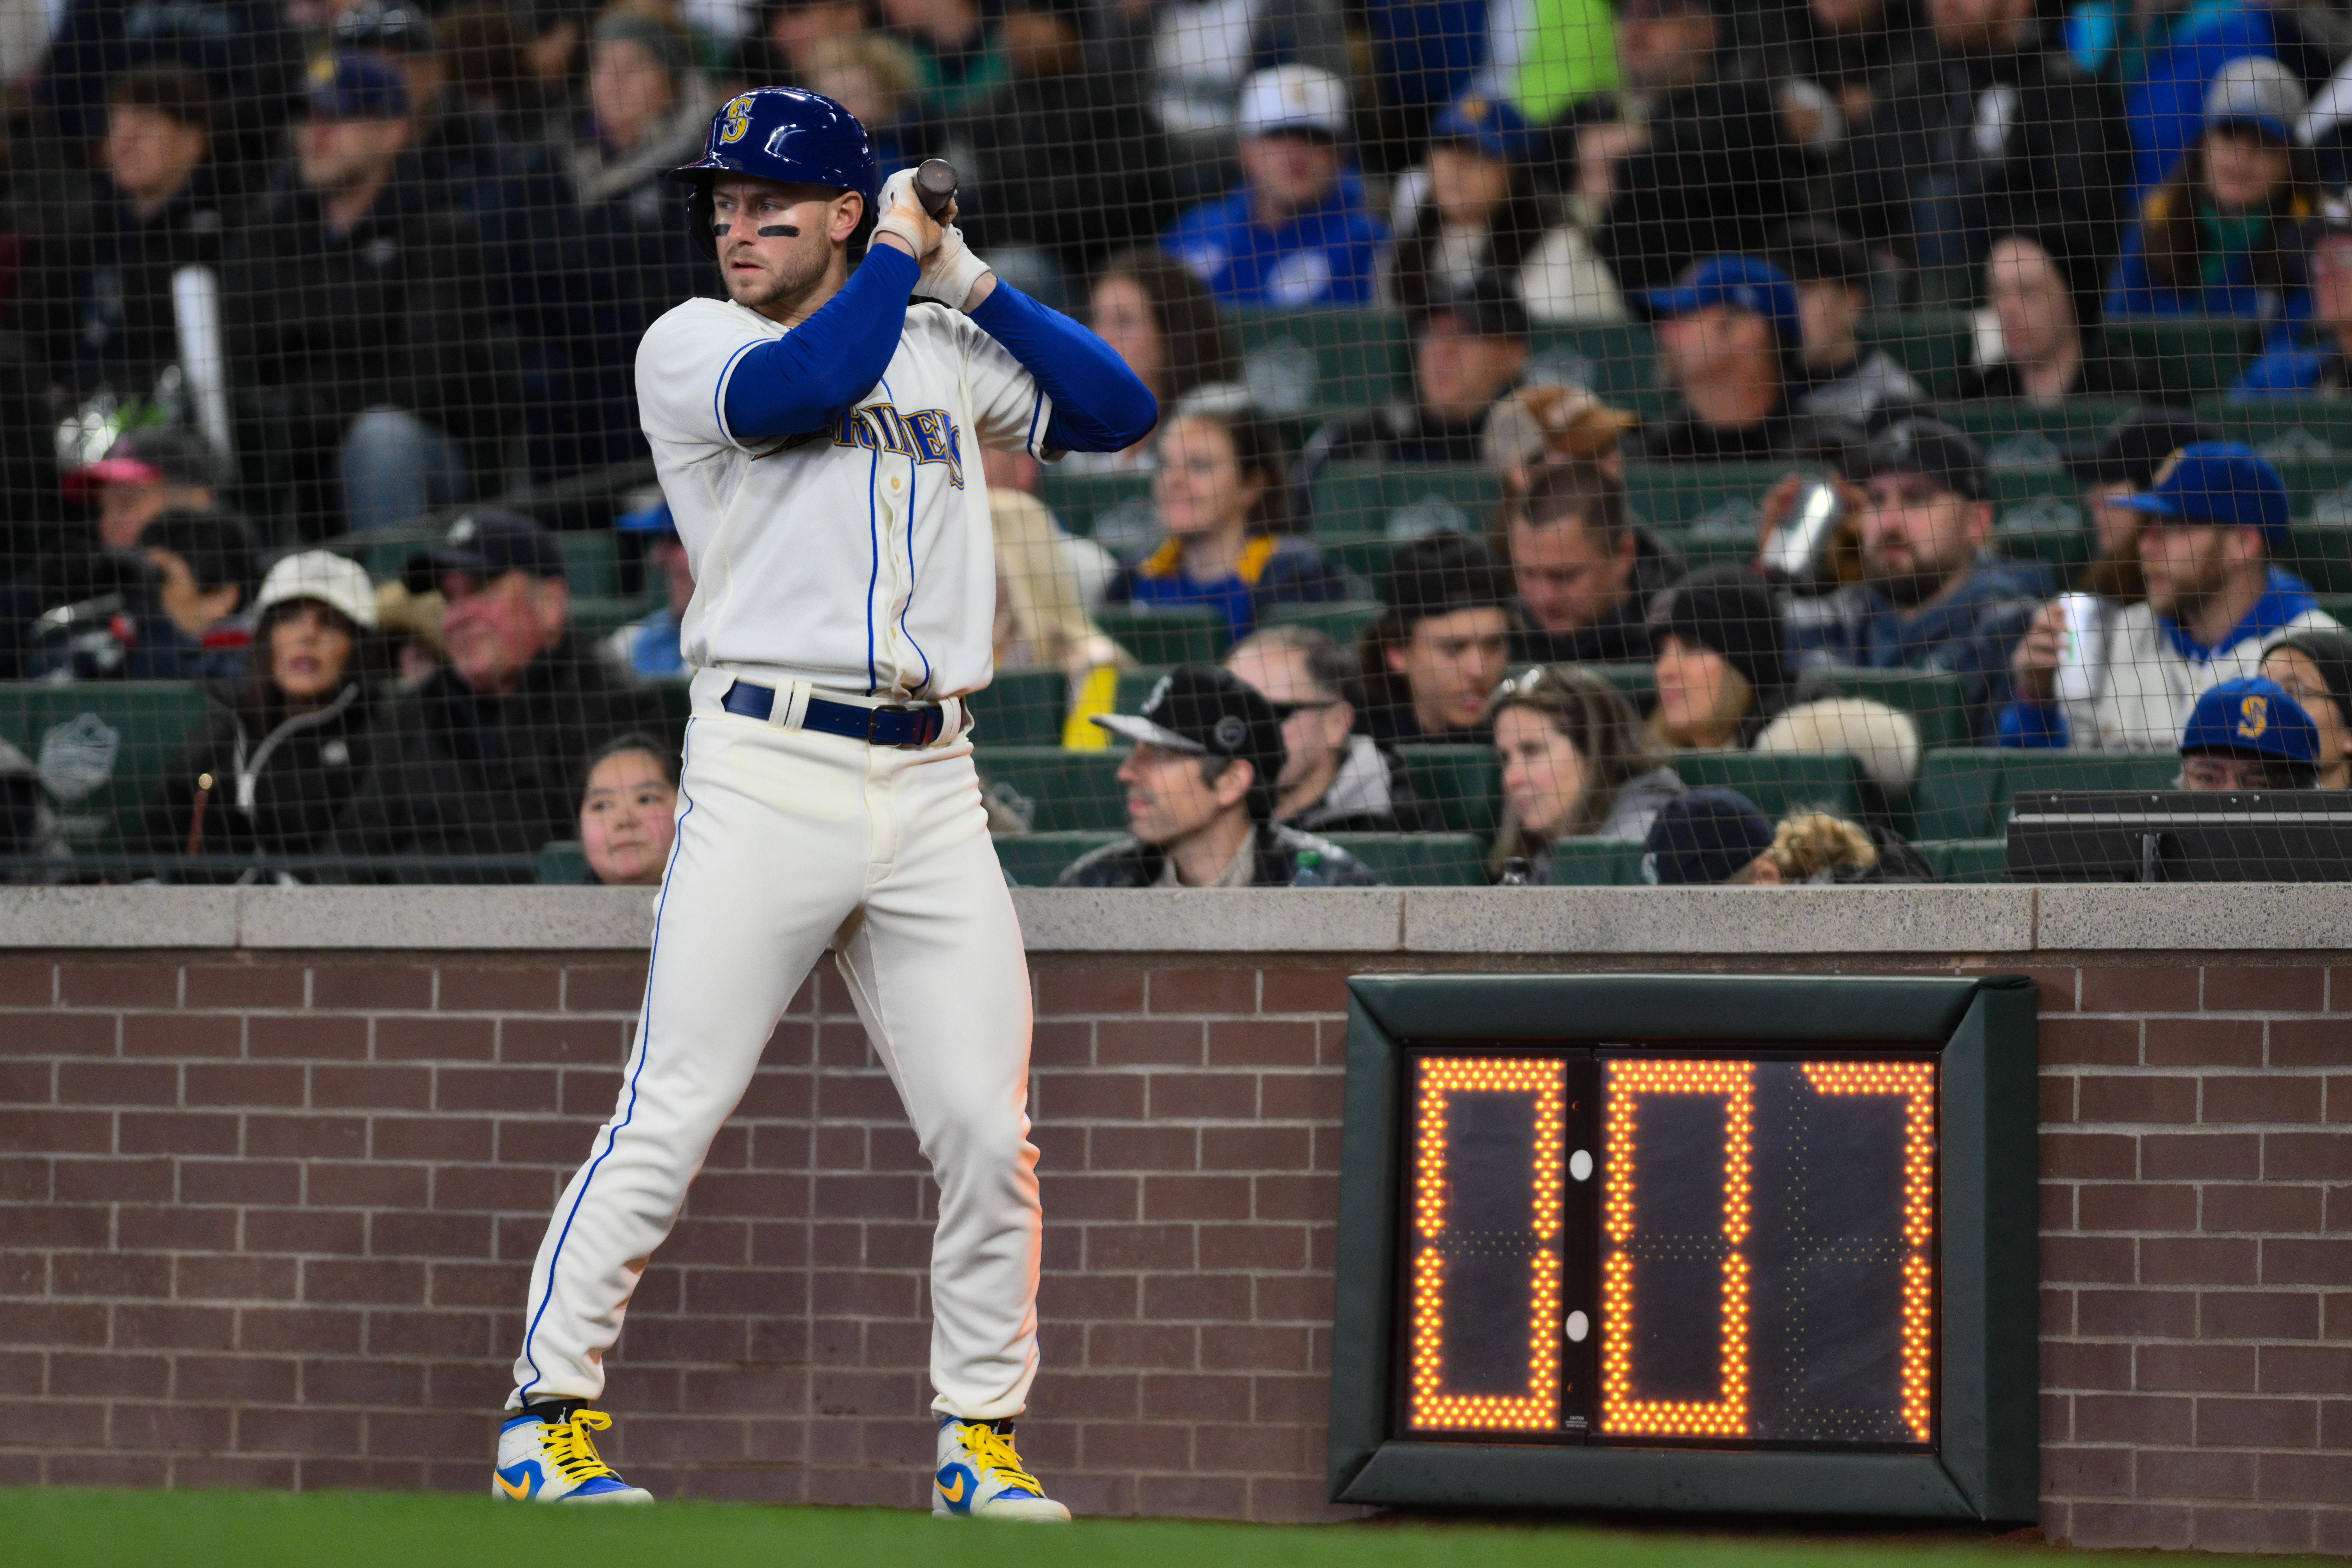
1700 1242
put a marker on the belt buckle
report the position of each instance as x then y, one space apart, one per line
915 712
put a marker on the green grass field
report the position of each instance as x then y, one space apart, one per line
350 1530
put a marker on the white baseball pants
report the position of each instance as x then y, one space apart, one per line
790 843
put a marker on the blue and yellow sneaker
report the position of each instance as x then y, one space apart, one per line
980 1476
543 1460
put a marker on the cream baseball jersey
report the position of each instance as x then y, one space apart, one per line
859 558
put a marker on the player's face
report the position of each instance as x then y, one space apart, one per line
1167 798
781 240
627 820
1452 662
494 630
1200 489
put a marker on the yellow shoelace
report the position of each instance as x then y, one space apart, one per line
570 1448
995 1454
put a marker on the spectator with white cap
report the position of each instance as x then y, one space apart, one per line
1298 229
2217 237
283 752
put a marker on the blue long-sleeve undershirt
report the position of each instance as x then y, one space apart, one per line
807 379
1099 403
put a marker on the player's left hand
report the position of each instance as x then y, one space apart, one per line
952 271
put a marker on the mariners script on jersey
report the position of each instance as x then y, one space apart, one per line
891 497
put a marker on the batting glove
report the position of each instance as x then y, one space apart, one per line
951 272
902 214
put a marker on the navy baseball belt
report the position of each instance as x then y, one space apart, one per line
909 726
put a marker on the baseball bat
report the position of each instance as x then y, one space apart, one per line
935 188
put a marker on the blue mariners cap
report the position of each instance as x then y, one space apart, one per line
1488 124
1703 837
2251 716
1742 282
358 86
654 519
2225 484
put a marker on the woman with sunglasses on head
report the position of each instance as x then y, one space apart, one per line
1574 766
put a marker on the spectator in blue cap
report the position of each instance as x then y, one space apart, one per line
357 313
2217 237
2248 733
1728 336
649 647
1472 206
2216 520
1706 837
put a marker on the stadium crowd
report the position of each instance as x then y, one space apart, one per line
318 319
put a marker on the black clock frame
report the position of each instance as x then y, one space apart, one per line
1986 1461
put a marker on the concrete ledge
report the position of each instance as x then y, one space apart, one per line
2299 918
1720 919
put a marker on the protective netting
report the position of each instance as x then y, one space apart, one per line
1687 441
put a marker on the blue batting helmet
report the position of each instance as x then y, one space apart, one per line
784 133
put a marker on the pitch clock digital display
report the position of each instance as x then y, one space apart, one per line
1623 1248
1742 1243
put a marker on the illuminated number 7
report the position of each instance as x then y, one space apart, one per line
1537 1406
1915 1081
1623 1413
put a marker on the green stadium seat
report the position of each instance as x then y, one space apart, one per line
1034 859
1596 863
121 738
1165 636
1964 792
1302 361
1420 859
1464 782
1062 792
1021 708
1135 685
1936 703
1721 497
2321 554
1930 344
1965 859
2285 426
591 562
1343 624
1116 508
1637 683
1617 363
1995 420
1362 555
1404 501
1779 781
2192 359
563 863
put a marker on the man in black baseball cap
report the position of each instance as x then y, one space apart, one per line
484 757
1932 596
1199 796
2121 464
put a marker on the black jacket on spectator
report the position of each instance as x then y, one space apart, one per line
1797 46
1718 175
457 773
1131 863
99 288
1071 162
251 61
2062 156
301 774
1621 637
396 311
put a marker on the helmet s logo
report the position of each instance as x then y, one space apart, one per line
736 116
2254 717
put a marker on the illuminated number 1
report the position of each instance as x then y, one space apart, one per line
1537 1407
1623 1412
1915 1081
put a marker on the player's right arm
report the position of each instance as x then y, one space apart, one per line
820 369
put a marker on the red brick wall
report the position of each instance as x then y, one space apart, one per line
268 1224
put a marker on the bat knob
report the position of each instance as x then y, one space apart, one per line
935 185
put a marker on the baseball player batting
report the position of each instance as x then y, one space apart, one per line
815 435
